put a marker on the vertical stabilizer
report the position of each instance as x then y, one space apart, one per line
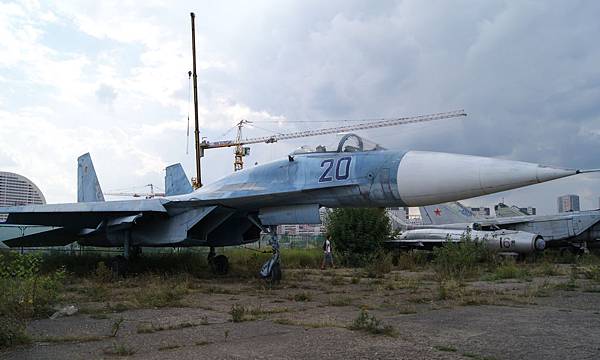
176 182
88 187
448 213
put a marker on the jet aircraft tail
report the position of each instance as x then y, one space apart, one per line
448 213
88 186
176 182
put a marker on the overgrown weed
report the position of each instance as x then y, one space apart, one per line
369 323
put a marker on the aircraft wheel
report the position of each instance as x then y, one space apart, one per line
119 266
276 275
220 265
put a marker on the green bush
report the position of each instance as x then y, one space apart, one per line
462 259
24 294
357 234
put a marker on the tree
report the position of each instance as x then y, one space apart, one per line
358 234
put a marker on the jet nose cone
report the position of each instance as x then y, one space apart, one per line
426 178
547 173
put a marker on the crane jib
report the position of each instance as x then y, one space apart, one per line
333 130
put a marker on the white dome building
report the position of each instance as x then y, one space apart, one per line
17 190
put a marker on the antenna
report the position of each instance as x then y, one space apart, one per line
197 182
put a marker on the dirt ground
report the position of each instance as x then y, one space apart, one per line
311 313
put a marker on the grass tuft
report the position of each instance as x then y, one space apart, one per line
368 323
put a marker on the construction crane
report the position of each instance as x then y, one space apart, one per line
241 150
149 195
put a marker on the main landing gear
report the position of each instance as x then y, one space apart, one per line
219 264
119 265
271 270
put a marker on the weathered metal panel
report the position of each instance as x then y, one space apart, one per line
293 214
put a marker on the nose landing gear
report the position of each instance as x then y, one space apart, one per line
271 270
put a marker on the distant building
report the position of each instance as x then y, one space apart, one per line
17 190
305 229
481 212
567 203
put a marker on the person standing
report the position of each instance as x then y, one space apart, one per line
327 254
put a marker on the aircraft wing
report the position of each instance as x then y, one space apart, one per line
79 215
506 220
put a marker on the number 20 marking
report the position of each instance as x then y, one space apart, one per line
342 169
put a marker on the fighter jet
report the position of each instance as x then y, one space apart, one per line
237 208
574 230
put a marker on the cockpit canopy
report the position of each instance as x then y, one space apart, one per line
347 143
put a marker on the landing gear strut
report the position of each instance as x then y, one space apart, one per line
120 264
219 264
271 270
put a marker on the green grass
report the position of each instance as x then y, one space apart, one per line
463 259
368 323
160 295
148 328
119 350
445 348
311 325
12 332
72 338
301 296
340 301
508 270
168 347
238 313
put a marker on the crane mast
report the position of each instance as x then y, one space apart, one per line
241 151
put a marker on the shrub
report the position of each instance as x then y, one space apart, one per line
238 313
24 294
161 295
357 234
410 260
368 323
378 264
461 259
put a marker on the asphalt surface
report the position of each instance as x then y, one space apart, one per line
503 320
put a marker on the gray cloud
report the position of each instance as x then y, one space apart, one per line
526 72
106 94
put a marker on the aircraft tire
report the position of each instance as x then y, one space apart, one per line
220 265
276 275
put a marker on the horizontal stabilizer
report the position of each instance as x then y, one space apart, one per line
176 182
55 237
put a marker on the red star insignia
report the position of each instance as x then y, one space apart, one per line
437 212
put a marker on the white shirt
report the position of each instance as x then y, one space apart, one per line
327 247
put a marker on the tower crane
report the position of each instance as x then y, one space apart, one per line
149 195
241 150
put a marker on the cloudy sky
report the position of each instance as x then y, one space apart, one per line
110 77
